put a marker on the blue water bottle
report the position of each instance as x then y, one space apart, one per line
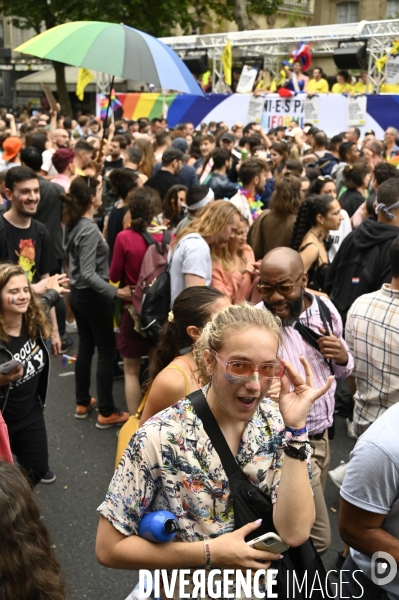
159 526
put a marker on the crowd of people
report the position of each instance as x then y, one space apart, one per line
281 253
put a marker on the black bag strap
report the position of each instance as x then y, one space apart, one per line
325 315
150 240
214 433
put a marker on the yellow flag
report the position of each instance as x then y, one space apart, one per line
227 62
84 78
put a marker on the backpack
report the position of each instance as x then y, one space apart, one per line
345 285
151 297
326 163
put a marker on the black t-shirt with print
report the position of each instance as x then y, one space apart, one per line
32 249
23 392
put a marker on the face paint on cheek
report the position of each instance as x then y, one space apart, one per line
232 379
11 300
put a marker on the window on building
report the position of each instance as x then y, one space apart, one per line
392 9
1 34
347 12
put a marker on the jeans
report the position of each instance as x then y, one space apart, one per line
28 441
94 316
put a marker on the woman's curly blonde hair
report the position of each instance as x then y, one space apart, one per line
35 318
231 320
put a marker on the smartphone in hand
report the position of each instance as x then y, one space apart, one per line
269 542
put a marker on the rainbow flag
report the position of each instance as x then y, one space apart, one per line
67 360
115 103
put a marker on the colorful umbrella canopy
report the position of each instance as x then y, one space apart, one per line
115 49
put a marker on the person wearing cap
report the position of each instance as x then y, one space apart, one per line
172 163
63 161
317 85
11 148
227 141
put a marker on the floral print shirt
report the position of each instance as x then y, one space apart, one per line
170 464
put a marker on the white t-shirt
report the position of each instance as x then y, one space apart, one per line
340 234
372 483
240 201
191 256
47 164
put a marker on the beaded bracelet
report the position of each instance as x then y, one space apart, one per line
207 553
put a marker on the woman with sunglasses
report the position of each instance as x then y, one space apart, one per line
317 215
325 184
170 463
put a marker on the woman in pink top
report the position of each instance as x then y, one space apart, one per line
234 266
129 250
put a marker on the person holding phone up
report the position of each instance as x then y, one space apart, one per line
170 464
24 367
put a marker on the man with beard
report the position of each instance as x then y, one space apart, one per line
172 163
252 178
305 321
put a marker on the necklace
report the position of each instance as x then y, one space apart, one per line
255 205
316 236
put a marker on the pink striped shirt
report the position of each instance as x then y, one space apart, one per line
293 345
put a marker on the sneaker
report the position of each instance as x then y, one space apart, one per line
117 418
337 475
49 477
66 343
350 429
71 327
82 410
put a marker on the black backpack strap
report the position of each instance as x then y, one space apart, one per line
214 433
325 315
150 240
165 240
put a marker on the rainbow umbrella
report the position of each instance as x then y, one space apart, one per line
118 50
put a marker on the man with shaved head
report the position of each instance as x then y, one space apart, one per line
312 327
59 139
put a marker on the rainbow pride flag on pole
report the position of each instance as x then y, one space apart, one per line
114 104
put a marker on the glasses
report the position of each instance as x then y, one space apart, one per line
284 289
244 368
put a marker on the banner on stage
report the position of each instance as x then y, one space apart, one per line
357 109
311 110
247 80
281 111
255 110
392 70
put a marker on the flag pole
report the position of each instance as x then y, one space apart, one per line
100 151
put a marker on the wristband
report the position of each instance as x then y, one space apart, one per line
207 553
296 432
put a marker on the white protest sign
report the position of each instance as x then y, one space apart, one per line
247 80
357 108
281 111
255 109
311 110
392 70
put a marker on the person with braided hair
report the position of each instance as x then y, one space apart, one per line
317 215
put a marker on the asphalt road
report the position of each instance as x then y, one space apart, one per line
82 457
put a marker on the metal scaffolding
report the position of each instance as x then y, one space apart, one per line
273 44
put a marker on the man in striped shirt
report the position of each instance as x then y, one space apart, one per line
282 286
372 333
